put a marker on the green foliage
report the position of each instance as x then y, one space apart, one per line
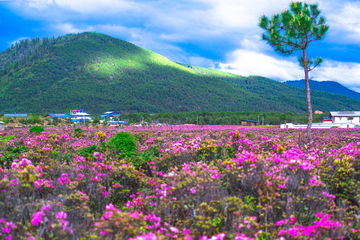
78 130
136 79
219 118
31 119
5 119
293 29
5 138
11 153
87 151
36 129
123 143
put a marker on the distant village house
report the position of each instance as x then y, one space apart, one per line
345 117
80 117
57 115
249 123
16 115
2 126
336 119
111 117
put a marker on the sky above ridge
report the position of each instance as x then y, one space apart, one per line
218 34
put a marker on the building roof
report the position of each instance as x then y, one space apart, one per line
345 114
15 115
57 115
1 122
109 113
81 114
250 121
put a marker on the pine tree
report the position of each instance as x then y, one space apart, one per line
293 30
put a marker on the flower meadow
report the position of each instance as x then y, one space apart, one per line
179 182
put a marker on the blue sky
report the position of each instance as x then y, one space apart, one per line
219 34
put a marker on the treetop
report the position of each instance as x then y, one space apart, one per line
294 29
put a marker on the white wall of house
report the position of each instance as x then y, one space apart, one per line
318 125
355 120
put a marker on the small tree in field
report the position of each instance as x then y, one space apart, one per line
293 30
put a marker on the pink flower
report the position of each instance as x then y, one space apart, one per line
37 218
292 218
174 229
193 190
6 229
61 215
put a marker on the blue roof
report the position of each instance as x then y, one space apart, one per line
59 115
78 119
250 121
15 115
109 113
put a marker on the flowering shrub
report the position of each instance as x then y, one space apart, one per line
36 129
123 143
179 182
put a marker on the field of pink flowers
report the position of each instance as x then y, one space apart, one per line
179 182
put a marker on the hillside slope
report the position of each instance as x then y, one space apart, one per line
97 73
326 86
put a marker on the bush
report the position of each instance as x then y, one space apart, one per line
36 129
123 143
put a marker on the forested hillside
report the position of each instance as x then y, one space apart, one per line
327 86
97 73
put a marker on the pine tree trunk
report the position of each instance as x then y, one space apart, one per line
308 98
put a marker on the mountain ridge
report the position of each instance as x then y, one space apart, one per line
97 72
326 86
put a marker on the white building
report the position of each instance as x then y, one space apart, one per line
2 126
318 125
80 117
345 117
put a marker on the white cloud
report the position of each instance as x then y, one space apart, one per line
248 62
345 24
346 73
17 40
200 61
188 19
66 28
356 89
82 6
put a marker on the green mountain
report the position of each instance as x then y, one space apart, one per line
327 86
97 73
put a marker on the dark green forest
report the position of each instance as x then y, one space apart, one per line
172 118
220 118
96 72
